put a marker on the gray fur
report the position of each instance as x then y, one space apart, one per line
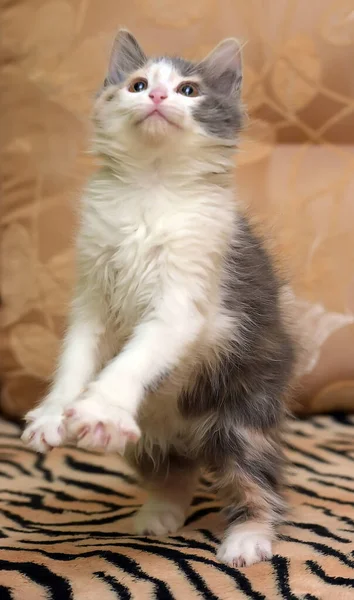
185 67
220 112
221 109
246 387
219 116
249 380
126 57
240 397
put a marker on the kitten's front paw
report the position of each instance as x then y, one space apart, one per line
158 518
98 425
245 546
44 428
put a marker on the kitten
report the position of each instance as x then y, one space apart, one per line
176 354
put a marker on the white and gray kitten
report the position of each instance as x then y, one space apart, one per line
176 354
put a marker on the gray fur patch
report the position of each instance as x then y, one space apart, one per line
247 385
126 57
185 67
220 116
245 389
220 112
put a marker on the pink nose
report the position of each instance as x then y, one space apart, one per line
158 94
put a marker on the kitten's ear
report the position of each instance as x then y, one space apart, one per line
126 57
223 66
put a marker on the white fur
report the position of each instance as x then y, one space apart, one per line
156 221
246 544
76 368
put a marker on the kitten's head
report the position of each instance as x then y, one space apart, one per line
168 100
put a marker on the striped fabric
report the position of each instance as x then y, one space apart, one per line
65 523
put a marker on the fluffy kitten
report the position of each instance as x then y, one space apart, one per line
176 352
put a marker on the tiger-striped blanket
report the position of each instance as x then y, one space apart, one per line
65 528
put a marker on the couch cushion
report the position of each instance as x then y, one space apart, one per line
65 522
48 74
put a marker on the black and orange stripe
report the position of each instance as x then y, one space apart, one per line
65 528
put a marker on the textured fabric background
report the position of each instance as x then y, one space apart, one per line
295 167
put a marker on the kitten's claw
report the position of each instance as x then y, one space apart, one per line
97 425
44 429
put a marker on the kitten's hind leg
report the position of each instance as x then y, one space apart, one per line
252 479
170 482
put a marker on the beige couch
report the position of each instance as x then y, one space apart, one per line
65 519
295 166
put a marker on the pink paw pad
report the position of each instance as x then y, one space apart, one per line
100 435
130 435
69 413
82 432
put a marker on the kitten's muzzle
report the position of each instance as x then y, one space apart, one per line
157 113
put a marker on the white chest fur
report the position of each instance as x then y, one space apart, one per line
135 238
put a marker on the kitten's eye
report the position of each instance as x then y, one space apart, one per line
138 85
188 89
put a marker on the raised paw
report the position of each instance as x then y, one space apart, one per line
44 429
158 518
245 546
95 424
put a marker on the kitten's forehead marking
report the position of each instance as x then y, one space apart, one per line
166 71
162 72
